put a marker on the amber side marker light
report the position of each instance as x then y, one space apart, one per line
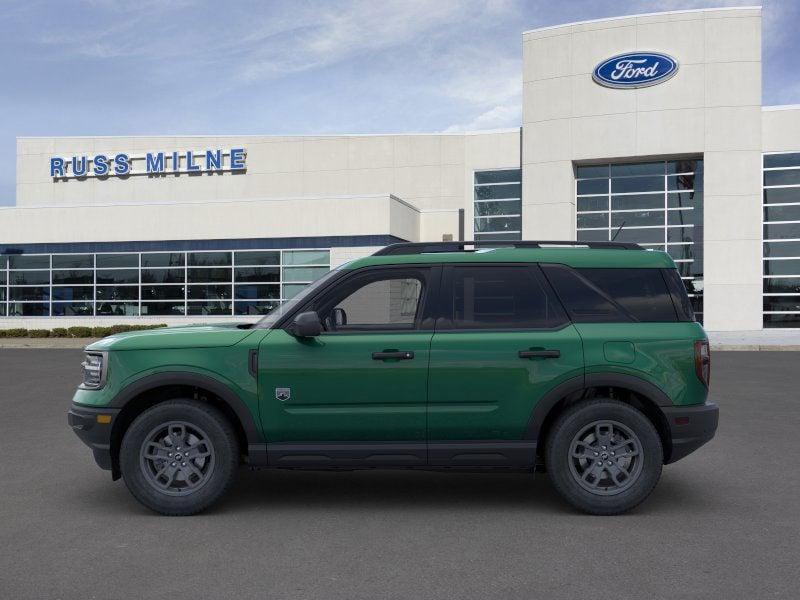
104 419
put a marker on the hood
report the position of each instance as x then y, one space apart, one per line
192 336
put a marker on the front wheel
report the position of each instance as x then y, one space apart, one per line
179 457
604 456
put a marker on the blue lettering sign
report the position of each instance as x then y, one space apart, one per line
121 164
176 162
190 166
79 166
100 165
635 70
237 159
155 162
56 167
213 160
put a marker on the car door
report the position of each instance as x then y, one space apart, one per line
357 392
502 341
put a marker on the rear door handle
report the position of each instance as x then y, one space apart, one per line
539 353
395 354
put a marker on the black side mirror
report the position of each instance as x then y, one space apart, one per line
306 325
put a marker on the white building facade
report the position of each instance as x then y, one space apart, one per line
678 156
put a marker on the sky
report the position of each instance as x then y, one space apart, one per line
160 67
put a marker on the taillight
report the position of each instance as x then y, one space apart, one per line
702 361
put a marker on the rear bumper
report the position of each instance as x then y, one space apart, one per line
97 436
690 427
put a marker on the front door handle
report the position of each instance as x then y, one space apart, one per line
539 353
393 354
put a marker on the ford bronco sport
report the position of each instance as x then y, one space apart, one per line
579 358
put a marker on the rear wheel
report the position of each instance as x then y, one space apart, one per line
604 456
179 457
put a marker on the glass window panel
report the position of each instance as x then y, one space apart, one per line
2 294
256 292
789 285
117 260
681 251
117 309
257 274
680 234
209 275
306 274
788 177
73 277
651 168
121 292
163 259
72 309
637 219
593 186
209 308
2 310
292 289
209 259
635 201
685 199
777 321
492 192
782 231
593 220
73 292
117 276
209 292
684 182
29 293
782 303
501 176
29 277
73 261
593 203
162 292
782 195
257 258
162 308
642 292
496 237
637 184
26 261
782 213
684 217
593 235
782 160
2 277
587 171
684 166
483 209
781 249
306 257
3 261
644 236
161 276
502 224
782 267
28 309
254 307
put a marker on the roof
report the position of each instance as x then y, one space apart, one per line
571 256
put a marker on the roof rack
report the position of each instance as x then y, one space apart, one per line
427 247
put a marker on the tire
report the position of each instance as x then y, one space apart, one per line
179 457
589 433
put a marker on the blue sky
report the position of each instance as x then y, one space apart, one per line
102 67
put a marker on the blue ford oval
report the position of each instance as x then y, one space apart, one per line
635 70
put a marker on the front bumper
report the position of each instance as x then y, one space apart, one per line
690 427
93 431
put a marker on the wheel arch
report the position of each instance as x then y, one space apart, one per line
153 389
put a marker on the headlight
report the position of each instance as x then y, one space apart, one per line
94 370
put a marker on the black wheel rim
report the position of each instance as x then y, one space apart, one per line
177 458
605 458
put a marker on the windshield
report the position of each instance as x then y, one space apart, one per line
288 306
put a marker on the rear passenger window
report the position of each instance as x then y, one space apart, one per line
501 297
613 295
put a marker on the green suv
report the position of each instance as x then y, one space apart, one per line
579 358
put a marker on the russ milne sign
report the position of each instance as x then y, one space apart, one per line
151 163
635 70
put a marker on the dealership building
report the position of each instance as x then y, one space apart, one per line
646 128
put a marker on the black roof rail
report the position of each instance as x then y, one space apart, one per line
428 247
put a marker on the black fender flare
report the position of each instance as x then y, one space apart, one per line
590 380
219 389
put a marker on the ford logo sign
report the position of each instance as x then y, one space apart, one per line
635 70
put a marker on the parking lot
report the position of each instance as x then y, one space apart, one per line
723 523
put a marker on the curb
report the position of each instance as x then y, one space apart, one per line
52 343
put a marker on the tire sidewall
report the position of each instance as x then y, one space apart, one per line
220 435
558 456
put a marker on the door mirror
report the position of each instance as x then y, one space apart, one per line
339 317
306 325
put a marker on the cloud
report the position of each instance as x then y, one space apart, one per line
497 117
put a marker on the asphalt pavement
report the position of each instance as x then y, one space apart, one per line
722 523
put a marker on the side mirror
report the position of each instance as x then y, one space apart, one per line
306 325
